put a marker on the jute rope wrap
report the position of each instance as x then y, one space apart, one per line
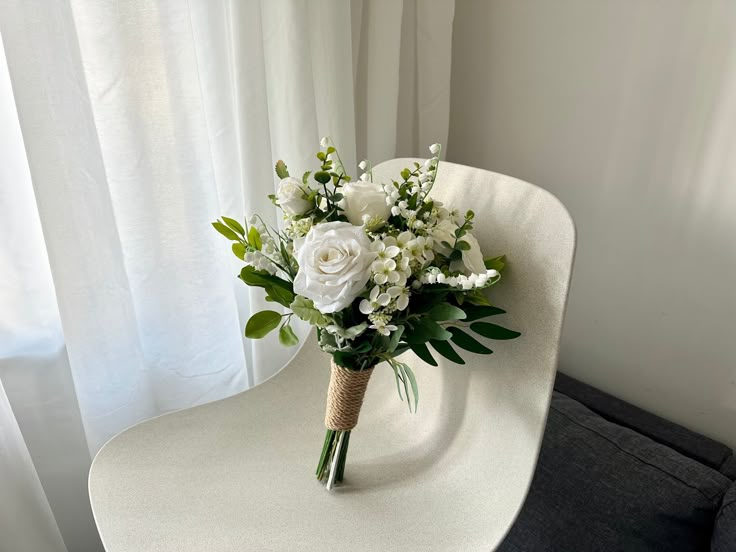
345 397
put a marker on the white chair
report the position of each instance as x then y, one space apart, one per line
238 474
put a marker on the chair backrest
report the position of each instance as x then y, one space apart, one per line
536 233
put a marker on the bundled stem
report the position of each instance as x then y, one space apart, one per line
344 400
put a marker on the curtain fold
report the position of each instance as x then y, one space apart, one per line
137 123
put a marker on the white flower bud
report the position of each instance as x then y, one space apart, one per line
434 148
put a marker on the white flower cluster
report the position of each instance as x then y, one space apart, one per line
297 228
261 260
434 275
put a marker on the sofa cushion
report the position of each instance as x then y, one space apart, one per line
696 446
724 533
600 486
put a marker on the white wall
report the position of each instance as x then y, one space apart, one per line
626 110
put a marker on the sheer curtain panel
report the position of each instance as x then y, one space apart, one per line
126 128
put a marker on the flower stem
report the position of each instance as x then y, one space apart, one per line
333 458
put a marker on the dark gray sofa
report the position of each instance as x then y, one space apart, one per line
613 477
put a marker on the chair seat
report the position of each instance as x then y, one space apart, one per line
238 474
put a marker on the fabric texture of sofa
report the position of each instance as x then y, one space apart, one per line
614 477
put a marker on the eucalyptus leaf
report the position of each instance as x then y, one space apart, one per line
287 337
261 324
322 177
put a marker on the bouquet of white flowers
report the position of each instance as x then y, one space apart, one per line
379 269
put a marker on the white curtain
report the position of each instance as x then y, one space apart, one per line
126 127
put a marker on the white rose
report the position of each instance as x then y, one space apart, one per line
472 260
364 198
291 196
334 265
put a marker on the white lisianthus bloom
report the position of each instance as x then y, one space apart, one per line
334 265
472 260
364 198
292 196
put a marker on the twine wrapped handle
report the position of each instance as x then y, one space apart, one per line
345 397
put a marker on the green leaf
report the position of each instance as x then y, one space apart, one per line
420 349
463 246
261 278
354 331
413 382
225 231
304 309
476 297
322 177
281 170
305 177
446 350
321 155
496 263
261 324
405 174
395 339
476 312
287 337
279 295
235 225
399 380
254 238
464 341
362 348
445 311
425 329
239 250
492 331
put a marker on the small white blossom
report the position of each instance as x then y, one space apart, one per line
363 164
384 271
401 295
324 142
385 249
375 301
434 149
